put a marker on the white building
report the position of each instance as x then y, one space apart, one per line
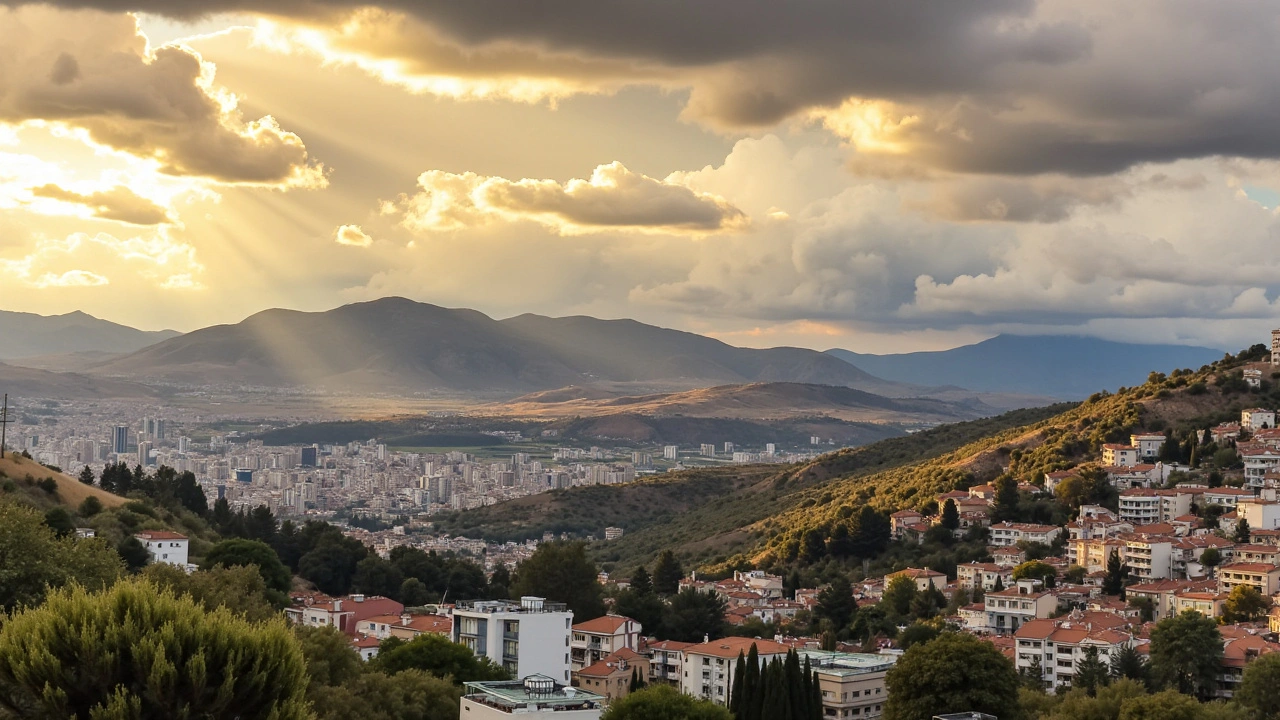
1147 444
1010 609
1058 646
709 666
1257 418
671 452
1116 454
533 697
596 639
1260 514
1141 506
165 547
1010 533
1257 463
530 637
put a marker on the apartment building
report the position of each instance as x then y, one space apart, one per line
1262 577
1147 444
921 577
593 640
1011 533
1260 514
1116 454
1257 419
852 684
666 660
1149 557
983 575
165 547
1258 461
1009 609
528 637
1058 647
1142 506
708 667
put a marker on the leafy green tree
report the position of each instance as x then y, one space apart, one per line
667 574
1168 705
239 589
86 475
406 695
1117 576
1075 574
439 656
1035 569
238 551
375 576
898 595
134 553
1210 558
953 673
413 593
1091 672
950 515
190 495
500 583
90 507
1245 604
1259 691
646 609
1079 705
813 546
836 603
1243 531
60 521
561 571
1186 653
260 524
329 656
33 558
662 702
917 633
1072 491
693 614
181 662
331 563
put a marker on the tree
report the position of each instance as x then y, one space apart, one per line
1210 558
60 521
1259 691
413 593
898 595
86 475
222 517
1128 663
667 574
33 558
239 589
953 673
190 495
646 609
641 582
1186 653
183 661
1242 531
375 576
1075 574
1117 576
950 515
90 507
1245 604
1168 705
836 603
134 553
238 551
1091 672
1073 491
871 532
500 583
561 571
662 702
694 614
917 633
406 695
331 565
1034 569
439 656
1005 506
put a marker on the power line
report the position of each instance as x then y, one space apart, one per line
4 424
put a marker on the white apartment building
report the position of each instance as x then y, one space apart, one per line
1262 577
709 666
1059 646
1148 557
1147 444
529 637
1116 454
1257 463
852 684
528 699
1011 533
983 575
671 452
1257 419
666 661
1010 609
1141 506
166 547
1260 514
596 639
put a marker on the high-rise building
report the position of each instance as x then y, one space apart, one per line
158 429
120 439
529 637
1275 347
770 449
144 453
671 452
728 448
184 444
309 456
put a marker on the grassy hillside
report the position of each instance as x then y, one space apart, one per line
70 492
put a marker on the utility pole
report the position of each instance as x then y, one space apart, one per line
4 423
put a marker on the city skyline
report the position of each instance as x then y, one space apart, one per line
846 175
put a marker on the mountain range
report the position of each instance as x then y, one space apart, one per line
1067 367
28 334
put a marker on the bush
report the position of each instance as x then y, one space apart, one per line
90 507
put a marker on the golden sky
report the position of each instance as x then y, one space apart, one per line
875 176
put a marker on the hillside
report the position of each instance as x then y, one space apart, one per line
1066 367
752 401
27 334
71 492
33 383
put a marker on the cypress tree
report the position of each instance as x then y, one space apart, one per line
735 695
806 690
795 686
752 690
815 696
776 705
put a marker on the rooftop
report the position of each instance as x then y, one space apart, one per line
534 692
523 605
846 664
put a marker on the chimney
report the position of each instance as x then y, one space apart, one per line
358 597
706 638
405 618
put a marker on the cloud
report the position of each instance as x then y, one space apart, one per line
61 262
352 235
1082 87
95 72
119 203
613 198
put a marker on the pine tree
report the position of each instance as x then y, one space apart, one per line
667 574
1091 673
86 475
641 583
735 695
1005 506
1117 574
950 515
1242 531
752 686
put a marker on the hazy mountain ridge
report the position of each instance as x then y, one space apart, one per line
1061 366
28 334
30 382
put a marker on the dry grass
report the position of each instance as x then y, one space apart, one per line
71 491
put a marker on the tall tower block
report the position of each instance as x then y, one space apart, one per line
1275 348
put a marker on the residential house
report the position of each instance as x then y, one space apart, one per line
1147 444
611 676
1145 506
1009 609
1116 454
405 626
708 667
1011 533
344 613
1257 419
1226 432
596 639
923 578
1260 514
167 548
983 575
1263 577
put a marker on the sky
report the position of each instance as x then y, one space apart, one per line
882 177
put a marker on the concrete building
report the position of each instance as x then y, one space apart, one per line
1147 444
1141 506
1010 609
345 614
1058 646
165 547
533 697
593 640
852 684
1262 577
983 575
612 675
1257 419
1149 557
666 660
923 578
708 667
529 637
1260 514
1116 454
1011 533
